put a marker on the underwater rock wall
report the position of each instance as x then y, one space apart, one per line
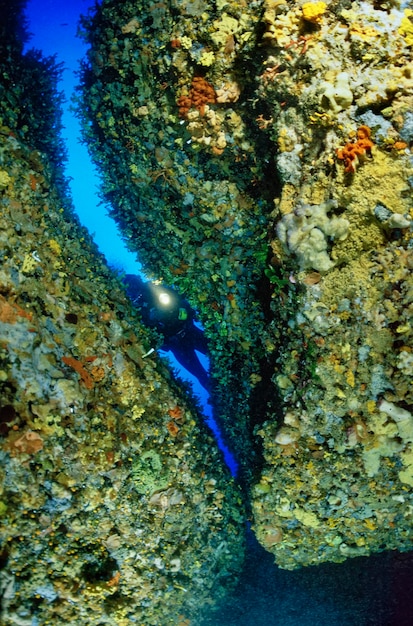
257 154
338 475
183 176
115 506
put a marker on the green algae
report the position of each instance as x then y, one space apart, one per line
147 473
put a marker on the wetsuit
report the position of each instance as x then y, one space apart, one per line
170 314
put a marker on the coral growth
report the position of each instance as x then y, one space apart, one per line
353 151
313 11
307 231
200 94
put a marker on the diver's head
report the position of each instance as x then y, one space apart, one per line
162 303
164 298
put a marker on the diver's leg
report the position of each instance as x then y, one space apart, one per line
197 338
188 358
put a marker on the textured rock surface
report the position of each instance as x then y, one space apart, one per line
194 209
115 505
337 479
257 155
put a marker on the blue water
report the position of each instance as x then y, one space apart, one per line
53 25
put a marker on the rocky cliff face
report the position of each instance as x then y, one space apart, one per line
257 155
115 504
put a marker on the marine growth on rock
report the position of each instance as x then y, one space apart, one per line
257 156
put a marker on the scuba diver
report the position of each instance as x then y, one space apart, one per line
170 314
